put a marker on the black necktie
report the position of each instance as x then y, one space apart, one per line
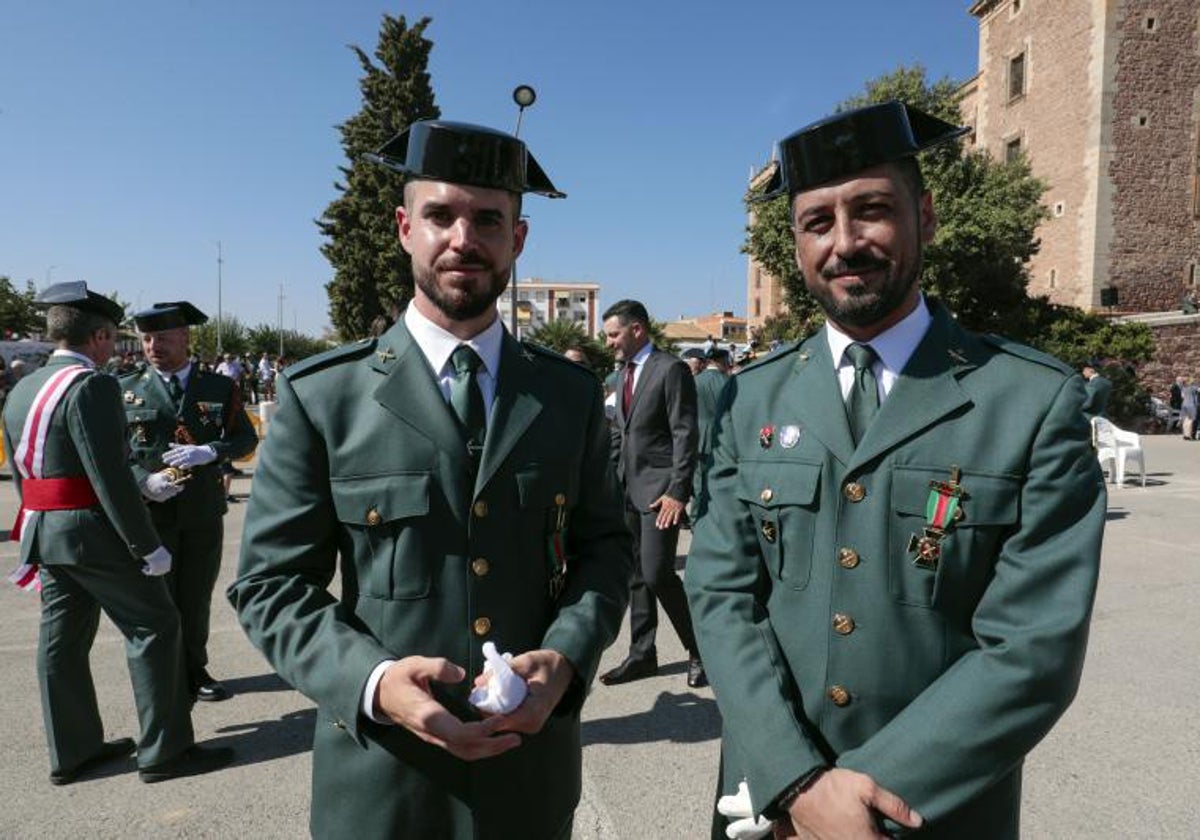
466 398
175 389
863 400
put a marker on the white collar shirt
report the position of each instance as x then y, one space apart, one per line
71 354
639 362
183 374
437 344
893 348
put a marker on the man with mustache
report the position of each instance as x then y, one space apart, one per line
464 479
894 578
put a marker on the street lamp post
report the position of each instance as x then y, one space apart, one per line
220 261
524 96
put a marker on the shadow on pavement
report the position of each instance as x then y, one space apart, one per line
269 739
256 684
685 718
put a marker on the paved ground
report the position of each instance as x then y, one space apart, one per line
1124 762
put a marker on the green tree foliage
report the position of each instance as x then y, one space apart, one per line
372 274
233 337
559 336
18 317
251 342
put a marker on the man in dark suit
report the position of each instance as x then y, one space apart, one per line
655 434
87 539
1097 389
192 422
464 479
893 581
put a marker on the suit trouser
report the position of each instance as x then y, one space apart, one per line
654 577
72 597
195 566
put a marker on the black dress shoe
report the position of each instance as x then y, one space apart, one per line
630 670
208 689
109 751
696 678
191 762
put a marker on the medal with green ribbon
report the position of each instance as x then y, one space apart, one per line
556 547
942 510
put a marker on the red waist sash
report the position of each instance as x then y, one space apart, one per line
57 493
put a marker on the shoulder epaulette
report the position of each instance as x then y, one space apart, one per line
528 348
1024 351
772 357
336 356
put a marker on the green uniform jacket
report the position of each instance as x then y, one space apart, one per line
365 460
825 643
709 384
1096 394
213 414
86 437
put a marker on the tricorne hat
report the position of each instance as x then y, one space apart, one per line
460 153
850 142
75 294
168 315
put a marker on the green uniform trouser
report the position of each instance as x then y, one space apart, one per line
195 565
72 597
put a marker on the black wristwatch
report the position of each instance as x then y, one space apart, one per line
778 808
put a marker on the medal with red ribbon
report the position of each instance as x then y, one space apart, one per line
943 510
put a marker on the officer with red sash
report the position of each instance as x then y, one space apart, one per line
87 539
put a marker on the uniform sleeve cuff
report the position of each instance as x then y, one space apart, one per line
368 698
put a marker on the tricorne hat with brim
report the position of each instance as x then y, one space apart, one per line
168 316
850 142
460 153
75 294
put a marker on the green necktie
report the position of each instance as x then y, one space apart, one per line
466 398
175 389
863 400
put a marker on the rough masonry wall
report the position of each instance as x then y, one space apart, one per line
1156 234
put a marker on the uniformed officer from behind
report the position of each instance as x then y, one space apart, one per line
464 479
184 424
893 582
86 537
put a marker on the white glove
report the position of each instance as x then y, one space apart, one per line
158 562
504 690
158 487
186 456
738 809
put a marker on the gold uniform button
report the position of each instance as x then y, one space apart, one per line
480 566
854 491
843 624
373 517
767 494
480 509
847 558
839 695
560 499
482 626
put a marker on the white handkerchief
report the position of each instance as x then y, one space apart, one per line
504 690
737 808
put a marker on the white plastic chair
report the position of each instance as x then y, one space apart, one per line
1116 448
1169 416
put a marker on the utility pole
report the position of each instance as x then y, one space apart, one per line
220 312
280 319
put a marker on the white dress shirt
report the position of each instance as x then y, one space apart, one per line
893 348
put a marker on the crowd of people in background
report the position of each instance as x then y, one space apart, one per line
256 379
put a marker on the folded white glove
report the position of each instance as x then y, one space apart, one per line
158 562
504 690
738 809
186 456
158 487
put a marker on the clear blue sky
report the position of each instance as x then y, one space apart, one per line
134 135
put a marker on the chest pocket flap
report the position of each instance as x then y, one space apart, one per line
772 484
373 499
988 499
140 415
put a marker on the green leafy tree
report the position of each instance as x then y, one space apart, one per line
18 317
372 274
233 337
264 338
560 336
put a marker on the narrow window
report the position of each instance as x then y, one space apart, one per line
1016 76
1060 207
1151 23
1053 277
1012 150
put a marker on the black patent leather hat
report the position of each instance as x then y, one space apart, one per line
169 315
850 142
460 153
75 294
